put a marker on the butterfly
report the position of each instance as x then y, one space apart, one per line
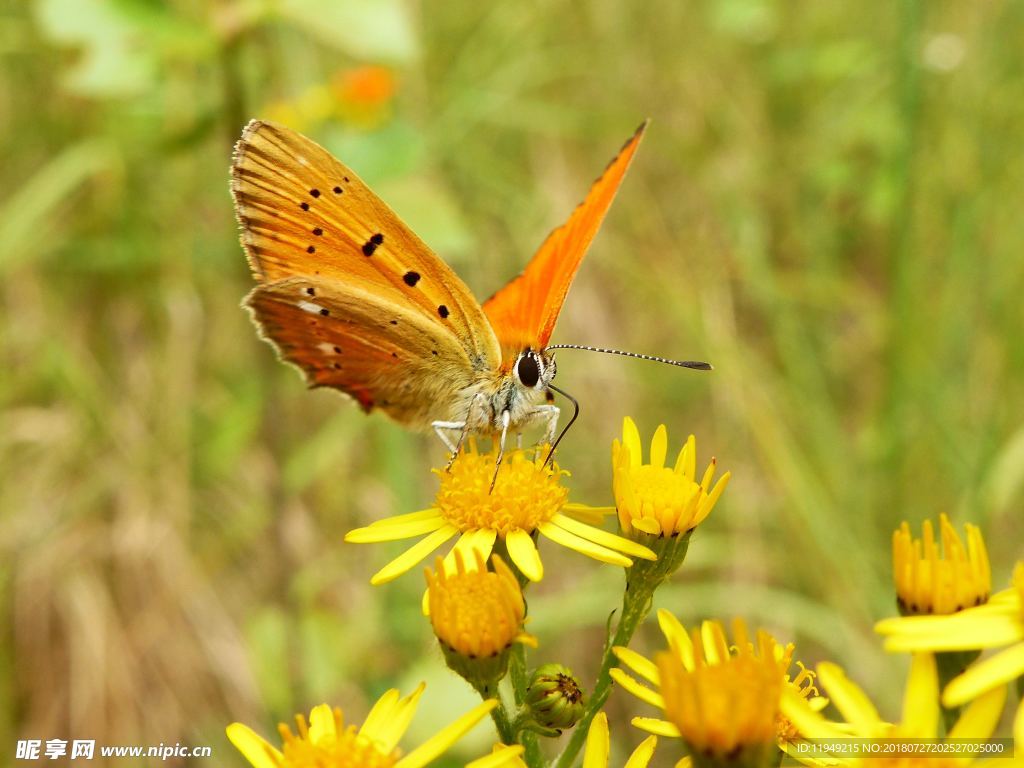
351 296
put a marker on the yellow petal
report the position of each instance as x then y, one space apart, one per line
390 717
322 728
253 747
408 517
631 442
598 743
372 534
683 459
481 540
524 554
690 466
984 675
809 723
967 630
642 754
587 514
708 503
572 541
602 537
500 756
647 525
685 762
921 698
640 664
440 741
716 644
677 636
709 473
980 718
642 692
659 446
413 555
656 726
852 703
381 711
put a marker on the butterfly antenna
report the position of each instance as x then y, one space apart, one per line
575 415
694 364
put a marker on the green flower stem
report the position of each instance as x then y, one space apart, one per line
950 664
502 721
517 673
636 604
520 680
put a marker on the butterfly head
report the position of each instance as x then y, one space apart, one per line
534 370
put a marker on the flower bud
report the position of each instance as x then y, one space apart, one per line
554 697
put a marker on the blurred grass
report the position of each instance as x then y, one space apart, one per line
825 206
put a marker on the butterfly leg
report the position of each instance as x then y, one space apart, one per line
463 426
506 417
452 425
479 397
550 414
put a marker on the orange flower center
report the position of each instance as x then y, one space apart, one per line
346 749
525 494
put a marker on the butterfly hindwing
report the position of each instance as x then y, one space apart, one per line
303 213
382 354
524 312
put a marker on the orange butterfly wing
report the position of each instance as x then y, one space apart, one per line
346 290
524 312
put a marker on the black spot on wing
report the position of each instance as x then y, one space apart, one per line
317 231
442 311
337 190
310 291
411 278
311 249
304 206
315 192
371 245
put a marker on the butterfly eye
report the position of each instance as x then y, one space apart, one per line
528 370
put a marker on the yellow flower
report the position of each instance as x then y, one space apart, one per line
326 742
476 615
714 647
920 718
725 707
933 581
998 623
527 498
656 500
475 611
595 755
721 699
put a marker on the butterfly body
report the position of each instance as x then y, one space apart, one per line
352 297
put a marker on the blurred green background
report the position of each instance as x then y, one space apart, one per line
827 206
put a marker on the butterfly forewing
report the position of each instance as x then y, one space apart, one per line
303 212
524 312
305 215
